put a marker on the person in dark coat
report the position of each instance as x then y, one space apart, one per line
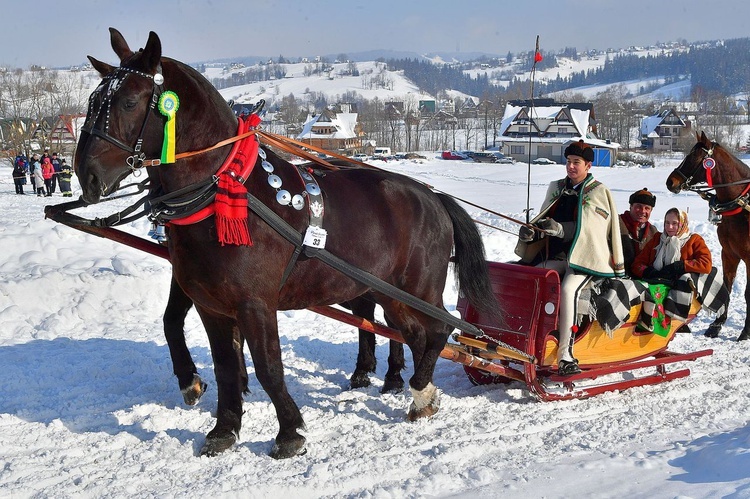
56 165
64 177
635 229
19 176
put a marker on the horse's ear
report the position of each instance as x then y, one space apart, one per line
703 137
152 53
119 45
102 67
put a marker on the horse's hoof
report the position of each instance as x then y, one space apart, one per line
745 335
289 448
425 404
712 332
359 379
218 442
193 393
393 384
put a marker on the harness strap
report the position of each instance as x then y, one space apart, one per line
290 234
59 212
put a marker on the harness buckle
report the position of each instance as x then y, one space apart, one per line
713 216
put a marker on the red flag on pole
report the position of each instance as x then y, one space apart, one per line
537 54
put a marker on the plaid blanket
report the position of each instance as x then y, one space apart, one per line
609 300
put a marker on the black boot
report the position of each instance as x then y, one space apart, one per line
568 367
712 331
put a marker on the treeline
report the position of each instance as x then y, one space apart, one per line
434 78
721 67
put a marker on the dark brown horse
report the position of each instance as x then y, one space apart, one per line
717 170
387 225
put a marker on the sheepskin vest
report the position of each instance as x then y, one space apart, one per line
597 221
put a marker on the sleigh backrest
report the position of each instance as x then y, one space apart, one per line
530 297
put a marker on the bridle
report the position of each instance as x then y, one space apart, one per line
717 209
707 162
104 93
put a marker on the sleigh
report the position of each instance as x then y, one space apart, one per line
531 299
524 347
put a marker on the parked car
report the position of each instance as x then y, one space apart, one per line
452 155
413 155
360 157
543 161
492 157
485 157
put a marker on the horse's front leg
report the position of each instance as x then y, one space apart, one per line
191 385
226 352
729 265
393 382
257 322
366 360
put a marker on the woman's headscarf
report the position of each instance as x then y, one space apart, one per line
668 249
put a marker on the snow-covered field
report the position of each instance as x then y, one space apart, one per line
90 407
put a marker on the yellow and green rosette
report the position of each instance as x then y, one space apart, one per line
169 103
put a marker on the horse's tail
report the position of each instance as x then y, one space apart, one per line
472 275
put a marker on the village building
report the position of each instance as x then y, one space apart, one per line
543 129
665 131
339 132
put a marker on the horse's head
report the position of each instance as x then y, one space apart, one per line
121 114
692 170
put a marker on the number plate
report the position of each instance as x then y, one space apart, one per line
315 237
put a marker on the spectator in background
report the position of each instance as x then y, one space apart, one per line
64 177
56 165
19 176
48 172
45 155
36 167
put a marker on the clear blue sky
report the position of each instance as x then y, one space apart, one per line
61 33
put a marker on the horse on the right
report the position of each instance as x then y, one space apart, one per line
724 181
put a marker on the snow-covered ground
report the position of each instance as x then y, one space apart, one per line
90 407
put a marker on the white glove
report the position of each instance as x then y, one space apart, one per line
551 227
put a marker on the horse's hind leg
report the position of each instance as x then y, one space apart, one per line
426 401
729 265
426 338
191 385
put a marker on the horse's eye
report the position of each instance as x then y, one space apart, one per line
130 104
